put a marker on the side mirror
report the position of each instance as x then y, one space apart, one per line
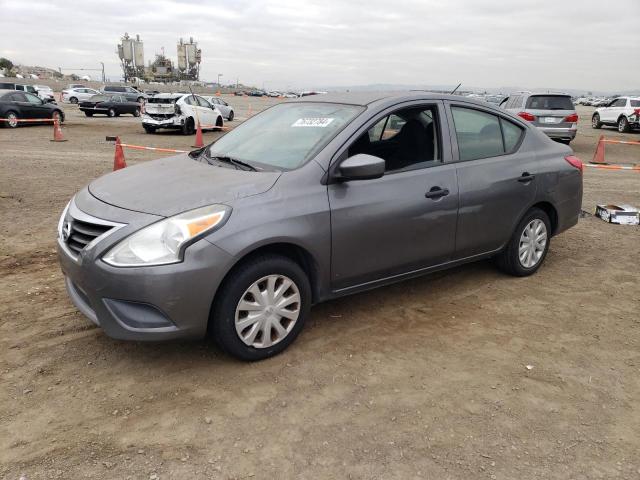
361 167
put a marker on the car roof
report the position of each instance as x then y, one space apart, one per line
368 98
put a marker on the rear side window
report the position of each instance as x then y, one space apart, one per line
550 102
482 135
635 103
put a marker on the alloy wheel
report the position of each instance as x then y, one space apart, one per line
267 311
12 119
532 243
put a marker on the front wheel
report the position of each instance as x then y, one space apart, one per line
261 307
73 100
57 116
219 123
623 125
149 129
528 246
595 121
89 114
136 112
111 112
231 116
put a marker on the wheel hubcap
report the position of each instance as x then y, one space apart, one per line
532 243
267 311
13 120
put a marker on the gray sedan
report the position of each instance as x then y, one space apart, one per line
310 200
225 109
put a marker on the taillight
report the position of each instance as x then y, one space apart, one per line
575 162
637 111
527 116
177 109
573 118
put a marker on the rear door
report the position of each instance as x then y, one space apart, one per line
38 108
551 110
25 107
207 114
496 177
406 220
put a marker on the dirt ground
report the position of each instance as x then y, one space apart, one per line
466 374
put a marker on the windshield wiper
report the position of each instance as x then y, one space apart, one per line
234 161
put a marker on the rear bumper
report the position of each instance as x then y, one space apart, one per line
559 133
173 122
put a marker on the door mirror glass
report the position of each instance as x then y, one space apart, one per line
361 167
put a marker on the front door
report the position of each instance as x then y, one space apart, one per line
497 180
405 220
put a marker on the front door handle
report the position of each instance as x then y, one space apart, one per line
526 177
437 192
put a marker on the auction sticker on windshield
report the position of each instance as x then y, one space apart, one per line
321 122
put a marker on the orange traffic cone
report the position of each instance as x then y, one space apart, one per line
199 142
118 159
57 132
218 93
598 156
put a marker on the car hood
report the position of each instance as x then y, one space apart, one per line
173 185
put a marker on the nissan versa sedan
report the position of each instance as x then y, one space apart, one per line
310 200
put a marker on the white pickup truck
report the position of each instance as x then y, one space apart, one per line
621 112
181 111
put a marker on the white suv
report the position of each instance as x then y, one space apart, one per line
623 112
75 95
180 111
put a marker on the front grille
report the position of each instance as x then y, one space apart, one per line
82 233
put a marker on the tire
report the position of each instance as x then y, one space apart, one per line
189 127
73 100
226 311
59 115
89 114
509 260
136 112
149 129
219 123
230 116
111 112
595 121
12 120
623 125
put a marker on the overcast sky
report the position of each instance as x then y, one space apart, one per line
583 44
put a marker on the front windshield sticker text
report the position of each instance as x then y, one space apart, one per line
312 122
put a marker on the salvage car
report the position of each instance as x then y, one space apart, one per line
310 200
180 111
225 109
110 105
622 112
552 113
15 105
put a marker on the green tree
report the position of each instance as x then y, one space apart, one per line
6 64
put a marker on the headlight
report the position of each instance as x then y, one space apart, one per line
62 217
163 242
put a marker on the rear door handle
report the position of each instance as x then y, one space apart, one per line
526 177
437 192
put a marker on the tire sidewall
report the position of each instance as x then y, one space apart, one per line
111 113
532 214
8 124
595 121
623 125
222 321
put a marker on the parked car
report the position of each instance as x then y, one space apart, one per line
552 113
290 95
307 201
27 88
180 111
75 95
130 93
16 105
74 85
110 105
45 92
7 86
225 109
273 94
256 93
622 112
239 94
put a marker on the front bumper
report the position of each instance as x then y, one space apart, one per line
143 303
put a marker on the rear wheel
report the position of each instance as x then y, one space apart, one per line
219 123
623 125
528 246
231 116
261 307
111 112
136 112
595 121
189 127
73 100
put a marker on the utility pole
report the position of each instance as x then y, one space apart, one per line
219 75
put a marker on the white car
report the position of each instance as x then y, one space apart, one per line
44 92
75 95
225 109
622 112
180 111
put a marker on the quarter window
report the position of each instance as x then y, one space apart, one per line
482 135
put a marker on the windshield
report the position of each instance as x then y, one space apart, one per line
549 102
285 136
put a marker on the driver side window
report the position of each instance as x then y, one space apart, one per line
406 139
33 99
